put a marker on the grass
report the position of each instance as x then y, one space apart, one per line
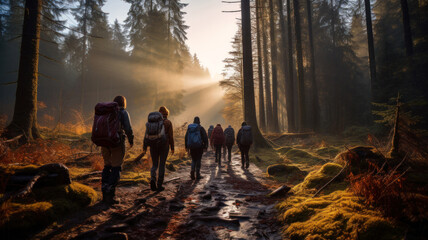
339 215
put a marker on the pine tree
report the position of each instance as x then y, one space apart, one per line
301 123
262 114
274 60
25 114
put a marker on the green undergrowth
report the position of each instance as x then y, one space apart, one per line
338 215
45 206
265 157
285 173
329 152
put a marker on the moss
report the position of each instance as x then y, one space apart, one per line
263 158
302 157
45 206
283 150
320 177
286 173
339 215
329 152
135 177
19 169
75 192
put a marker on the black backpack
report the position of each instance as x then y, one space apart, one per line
230 136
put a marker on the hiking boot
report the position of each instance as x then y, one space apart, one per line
153 185
192 175
199 177
160 188
247 166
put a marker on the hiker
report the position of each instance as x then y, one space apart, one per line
217 140
112 145
196 141
229 134
244 139
210 132
159 137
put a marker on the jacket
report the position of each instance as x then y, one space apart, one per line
217 136
125 121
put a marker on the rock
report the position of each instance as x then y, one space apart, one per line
170 167
207 196
117 228
279 192
58 174
114 236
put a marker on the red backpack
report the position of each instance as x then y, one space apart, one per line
217 136
106 127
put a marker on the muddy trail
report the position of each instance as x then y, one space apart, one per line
227 203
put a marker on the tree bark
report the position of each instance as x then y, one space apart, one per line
288 80
300 76
250 111
268 101
25 113
274 60
370 42
315 104
262 115
407 29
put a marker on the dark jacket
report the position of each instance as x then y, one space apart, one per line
217 137
210 131
238 137
125 121
203 137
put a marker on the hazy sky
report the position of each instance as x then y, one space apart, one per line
210 31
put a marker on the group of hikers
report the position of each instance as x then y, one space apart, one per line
112 123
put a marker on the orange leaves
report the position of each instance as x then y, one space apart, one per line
38 152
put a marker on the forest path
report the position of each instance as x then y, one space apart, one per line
228 203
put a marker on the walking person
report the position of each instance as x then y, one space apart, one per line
111 118
217 140
229 133
196 141
210 132
244 139
159 137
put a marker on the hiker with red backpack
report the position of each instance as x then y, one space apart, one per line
229 133
244 139
159 136
217 140
196 141
111 124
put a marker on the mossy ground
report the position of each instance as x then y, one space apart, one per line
45 206
338 215
335 213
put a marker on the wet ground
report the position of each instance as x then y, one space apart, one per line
228 203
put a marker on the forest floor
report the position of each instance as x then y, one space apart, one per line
228 203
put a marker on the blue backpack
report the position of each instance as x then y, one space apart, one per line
194 139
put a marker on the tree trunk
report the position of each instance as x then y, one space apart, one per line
288 80
262 116
83 65
274 59
25 113
250 110
372 58
269 114
407 29
301 80
315 104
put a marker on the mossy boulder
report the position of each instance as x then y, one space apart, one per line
44 206
318 178
360 158
283 150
